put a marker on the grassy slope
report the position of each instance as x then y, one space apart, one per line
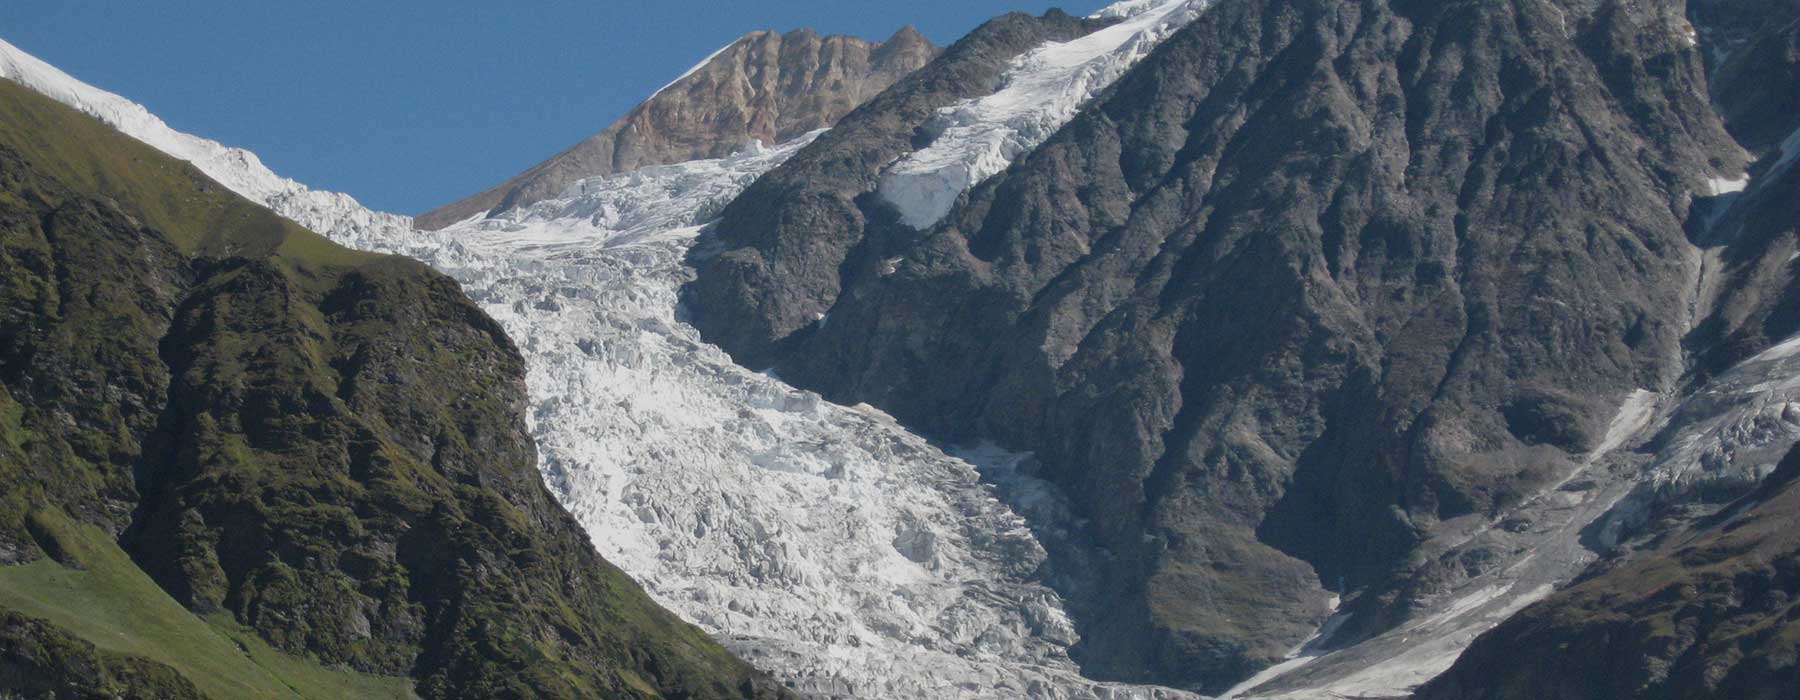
166 194
103 598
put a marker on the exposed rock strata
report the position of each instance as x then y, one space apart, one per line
765 87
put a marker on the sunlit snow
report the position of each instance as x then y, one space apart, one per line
1718 185
1043 89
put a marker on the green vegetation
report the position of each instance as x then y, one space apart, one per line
234 453
199 215
100 596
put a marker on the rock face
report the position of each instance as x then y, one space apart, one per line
1700 600
784 232
328 447
765 87
1750 293
1312 280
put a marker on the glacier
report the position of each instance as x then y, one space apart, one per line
823 543
1040 91
829 545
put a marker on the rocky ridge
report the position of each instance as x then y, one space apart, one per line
1695 597
765 86
1297 305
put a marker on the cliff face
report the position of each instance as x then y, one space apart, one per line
323 449
792 236
764 87
1311 280
1699 603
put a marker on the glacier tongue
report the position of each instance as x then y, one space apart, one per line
824 543
1042 90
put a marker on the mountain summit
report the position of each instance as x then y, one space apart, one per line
764 87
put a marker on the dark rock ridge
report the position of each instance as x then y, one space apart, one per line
325 446
766 87
1702 604
1310 280
815 219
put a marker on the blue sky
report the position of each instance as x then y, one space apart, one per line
408 104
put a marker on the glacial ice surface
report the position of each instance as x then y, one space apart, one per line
1042 90
822 542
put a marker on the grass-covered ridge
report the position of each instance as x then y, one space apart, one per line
96 593
266 442
199 215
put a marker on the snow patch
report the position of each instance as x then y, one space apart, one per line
1719 186
1432 658
1784 349
1043 90
1632 417
1301 656
702 64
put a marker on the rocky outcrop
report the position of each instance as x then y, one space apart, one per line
765 87
327 446
1751 47
1309 281
37 660
1749 294
798 227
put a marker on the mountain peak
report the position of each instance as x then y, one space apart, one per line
764 87
908 34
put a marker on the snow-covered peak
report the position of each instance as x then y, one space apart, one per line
1042 90
235 168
